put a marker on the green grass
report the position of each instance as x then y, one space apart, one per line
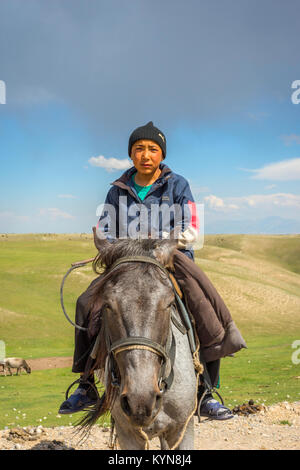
33 399
258 277
264 372
32 266
282 250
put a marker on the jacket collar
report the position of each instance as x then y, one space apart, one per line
125 181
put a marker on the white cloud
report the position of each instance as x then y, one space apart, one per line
7 215
285 170
277 199
196 190
55 213
265 201
110 164
258 116
33 95
290 139
216 203
278 202
67 196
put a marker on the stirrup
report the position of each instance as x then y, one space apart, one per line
80 381
208 390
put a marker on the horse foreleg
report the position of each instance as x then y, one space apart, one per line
128 438
187 441
164 443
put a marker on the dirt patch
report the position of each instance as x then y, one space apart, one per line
277 427
49 363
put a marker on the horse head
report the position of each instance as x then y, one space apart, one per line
136 303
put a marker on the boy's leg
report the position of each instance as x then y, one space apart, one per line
209 325
84 395
213 371
184 267
211 408
217 332
83 340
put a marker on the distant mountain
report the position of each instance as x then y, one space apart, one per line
269 225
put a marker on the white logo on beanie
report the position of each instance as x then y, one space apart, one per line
160 135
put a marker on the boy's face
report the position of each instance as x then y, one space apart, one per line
146 156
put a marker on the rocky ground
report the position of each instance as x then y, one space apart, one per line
273 428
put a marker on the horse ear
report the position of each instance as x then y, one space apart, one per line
164 252
100 242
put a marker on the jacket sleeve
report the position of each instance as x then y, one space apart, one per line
108 225
189 225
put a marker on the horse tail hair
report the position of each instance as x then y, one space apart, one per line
101 407
92 415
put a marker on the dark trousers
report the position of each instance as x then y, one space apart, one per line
203 300
83 340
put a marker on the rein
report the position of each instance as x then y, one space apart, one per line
79 264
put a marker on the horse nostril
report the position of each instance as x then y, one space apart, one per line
125 405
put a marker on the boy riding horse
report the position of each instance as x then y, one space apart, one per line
148 183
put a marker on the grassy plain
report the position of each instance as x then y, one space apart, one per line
257 275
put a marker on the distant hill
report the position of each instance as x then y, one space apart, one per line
268 225
257 275
282 250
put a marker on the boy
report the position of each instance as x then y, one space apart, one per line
148 184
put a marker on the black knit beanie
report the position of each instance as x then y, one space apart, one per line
148 132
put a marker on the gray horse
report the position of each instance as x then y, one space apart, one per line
135 301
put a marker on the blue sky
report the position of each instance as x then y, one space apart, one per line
215 76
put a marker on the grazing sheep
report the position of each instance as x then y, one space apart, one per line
16 363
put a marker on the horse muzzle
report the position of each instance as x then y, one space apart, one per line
141 377
140 406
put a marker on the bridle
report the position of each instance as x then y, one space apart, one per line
166 353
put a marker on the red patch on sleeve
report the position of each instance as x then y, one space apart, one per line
194 222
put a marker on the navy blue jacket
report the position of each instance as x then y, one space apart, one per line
123 208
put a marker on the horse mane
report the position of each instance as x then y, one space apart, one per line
111 252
